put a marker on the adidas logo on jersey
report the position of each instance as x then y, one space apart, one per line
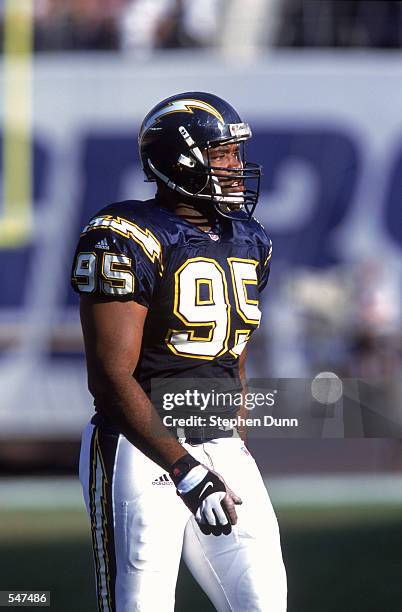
102 244
162 480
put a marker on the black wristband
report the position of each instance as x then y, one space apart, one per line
182 467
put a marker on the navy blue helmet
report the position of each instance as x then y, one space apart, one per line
175 141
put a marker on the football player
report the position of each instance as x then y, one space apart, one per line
169 291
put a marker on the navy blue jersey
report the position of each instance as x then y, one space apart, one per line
201 289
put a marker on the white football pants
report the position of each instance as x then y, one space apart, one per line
140 529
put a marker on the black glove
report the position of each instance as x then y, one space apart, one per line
203 492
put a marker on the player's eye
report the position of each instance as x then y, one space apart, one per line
216 155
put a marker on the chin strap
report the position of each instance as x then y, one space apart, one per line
216 198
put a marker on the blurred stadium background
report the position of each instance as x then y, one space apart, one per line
320 82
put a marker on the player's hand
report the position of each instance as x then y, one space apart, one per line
229 502
206 495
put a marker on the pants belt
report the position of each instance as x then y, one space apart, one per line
198 435
193 435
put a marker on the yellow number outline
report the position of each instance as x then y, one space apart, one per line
245 282
192 332
199 301
238 333
76 277
116 283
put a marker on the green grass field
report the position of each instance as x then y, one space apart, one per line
347 560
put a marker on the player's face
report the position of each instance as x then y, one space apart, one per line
227 156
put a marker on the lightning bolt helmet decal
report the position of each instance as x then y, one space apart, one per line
181 106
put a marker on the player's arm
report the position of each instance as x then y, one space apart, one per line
113 335
243 379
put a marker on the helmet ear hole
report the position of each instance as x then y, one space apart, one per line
186 161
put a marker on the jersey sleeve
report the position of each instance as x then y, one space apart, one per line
265 267
117 260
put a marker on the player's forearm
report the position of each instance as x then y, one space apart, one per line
242 429
130 409
243 413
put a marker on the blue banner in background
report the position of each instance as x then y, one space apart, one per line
327 165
